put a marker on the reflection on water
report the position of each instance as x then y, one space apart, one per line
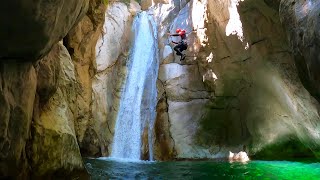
111 169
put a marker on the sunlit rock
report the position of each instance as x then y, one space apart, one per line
167 55
182 83
246 63
134 7
115 34
239 157
145 4
184 119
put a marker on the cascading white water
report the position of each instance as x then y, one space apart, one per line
138 100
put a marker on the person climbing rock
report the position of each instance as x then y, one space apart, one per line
182 44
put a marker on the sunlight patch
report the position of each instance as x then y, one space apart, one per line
199 19
234 26
210 58
209 76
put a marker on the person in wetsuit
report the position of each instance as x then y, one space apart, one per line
182 44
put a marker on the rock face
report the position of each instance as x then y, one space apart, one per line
237 90
81 42
241 91
38 110
54 144
301 20
99 46
30 28
37 135
17 94
111 56
184 92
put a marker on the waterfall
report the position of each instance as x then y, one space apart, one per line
138 100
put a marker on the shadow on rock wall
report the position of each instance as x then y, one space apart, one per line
260 104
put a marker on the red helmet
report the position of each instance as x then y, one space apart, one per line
182 32
178 30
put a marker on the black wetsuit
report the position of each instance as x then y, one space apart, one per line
182 45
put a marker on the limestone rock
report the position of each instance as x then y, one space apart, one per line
111 56
35 26
145 4
301 20
54 143
259 95
246 74
81 43
184 118
184 89
238 157
106 99
167 55
134 7
182 82
99 46
115 34
163 141
17 95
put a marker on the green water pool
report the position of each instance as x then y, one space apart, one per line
105 168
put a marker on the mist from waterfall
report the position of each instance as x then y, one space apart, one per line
138 100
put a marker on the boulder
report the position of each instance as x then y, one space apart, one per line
238 157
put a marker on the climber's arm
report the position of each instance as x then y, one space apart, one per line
173 34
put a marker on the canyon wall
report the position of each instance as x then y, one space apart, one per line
100 45
249 81
37 136
301 21
238 88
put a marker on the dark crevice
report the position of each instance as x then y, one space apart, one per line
169 124
224 57
258 41
244 60
67 45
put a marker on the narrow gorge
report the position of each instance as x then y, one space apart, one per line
95 89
